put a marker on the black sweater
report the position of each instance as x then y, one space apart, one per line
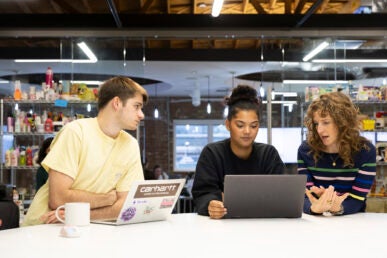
217 160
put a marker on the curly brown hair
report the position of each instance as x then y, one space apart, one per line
345 116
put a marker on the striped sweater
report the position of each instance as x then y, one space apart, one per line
356 180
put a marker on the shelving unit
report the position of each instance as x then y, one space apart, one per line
24 176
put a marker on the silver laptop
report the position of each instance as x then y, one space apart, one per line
150 200
264 196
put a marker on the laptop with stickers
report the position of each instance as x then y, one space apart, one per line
149 200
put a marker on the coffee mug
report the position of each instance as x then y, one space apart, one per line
76 213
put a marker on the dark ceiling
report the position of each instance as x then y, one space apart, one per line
184 30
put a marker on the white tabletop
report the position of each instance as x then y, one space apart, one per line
191 235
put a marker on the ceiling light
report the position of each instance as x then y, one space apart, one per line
225 112
315 51
3 81
285 94
314 82
349 61
261 91
216 7
346 44
208 96
88 82
208 108
156 113
81 45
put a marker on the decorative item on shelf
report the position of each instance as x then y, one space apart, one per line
17 94
85 93
381 117
49 77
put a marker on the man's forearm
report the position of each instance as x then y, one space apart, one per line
61 192
107 212
96 200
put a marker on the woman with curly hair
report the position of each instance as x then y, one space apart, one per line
339 163
239 154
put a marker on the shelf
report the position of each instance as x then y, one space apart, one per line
20 167
30 133
12 101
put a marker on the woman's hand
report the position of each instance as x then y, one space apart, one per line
216 209
337 203
324 202
317 190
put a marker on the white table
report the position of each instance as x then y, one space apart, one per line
191 235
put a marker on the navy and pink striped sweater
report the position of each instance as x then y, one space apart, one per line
356 180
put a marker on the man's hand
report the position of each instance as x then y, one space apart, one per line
112 196
216 209
50 218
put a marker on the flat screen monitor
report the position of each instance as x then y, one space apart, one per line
285 140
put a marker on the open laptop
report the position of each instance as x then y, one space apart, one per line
264 196
150 200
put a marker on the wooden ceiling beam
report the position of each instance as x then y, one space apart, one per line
194 6
272 4
258 7
244 6
300 6
146 6
350 6
65 6
288 6
23 6
323 6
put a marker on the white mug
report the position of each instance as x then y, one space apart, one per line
76 213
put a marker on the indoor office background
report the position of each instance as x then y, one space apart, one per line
190 61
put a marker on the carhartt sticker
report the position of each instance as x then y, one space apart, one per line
156 190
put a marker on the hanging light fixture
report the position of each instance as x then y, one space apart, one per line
156 111
208 96
124 52
143 52
216 7
261 89
225 111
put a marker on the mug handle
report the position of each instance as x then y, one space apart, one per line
57 213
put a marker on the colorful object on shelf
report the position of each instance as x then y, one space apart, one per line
368 124
17 94
85 93
49 77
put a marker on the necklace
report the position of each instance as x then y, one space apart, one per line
334 159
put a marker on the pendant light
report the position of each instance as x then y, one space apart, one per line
225 111
208 96
124 52
156 111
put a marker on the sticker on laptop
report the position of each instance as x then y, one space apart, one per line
167 202
128 214
148 210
